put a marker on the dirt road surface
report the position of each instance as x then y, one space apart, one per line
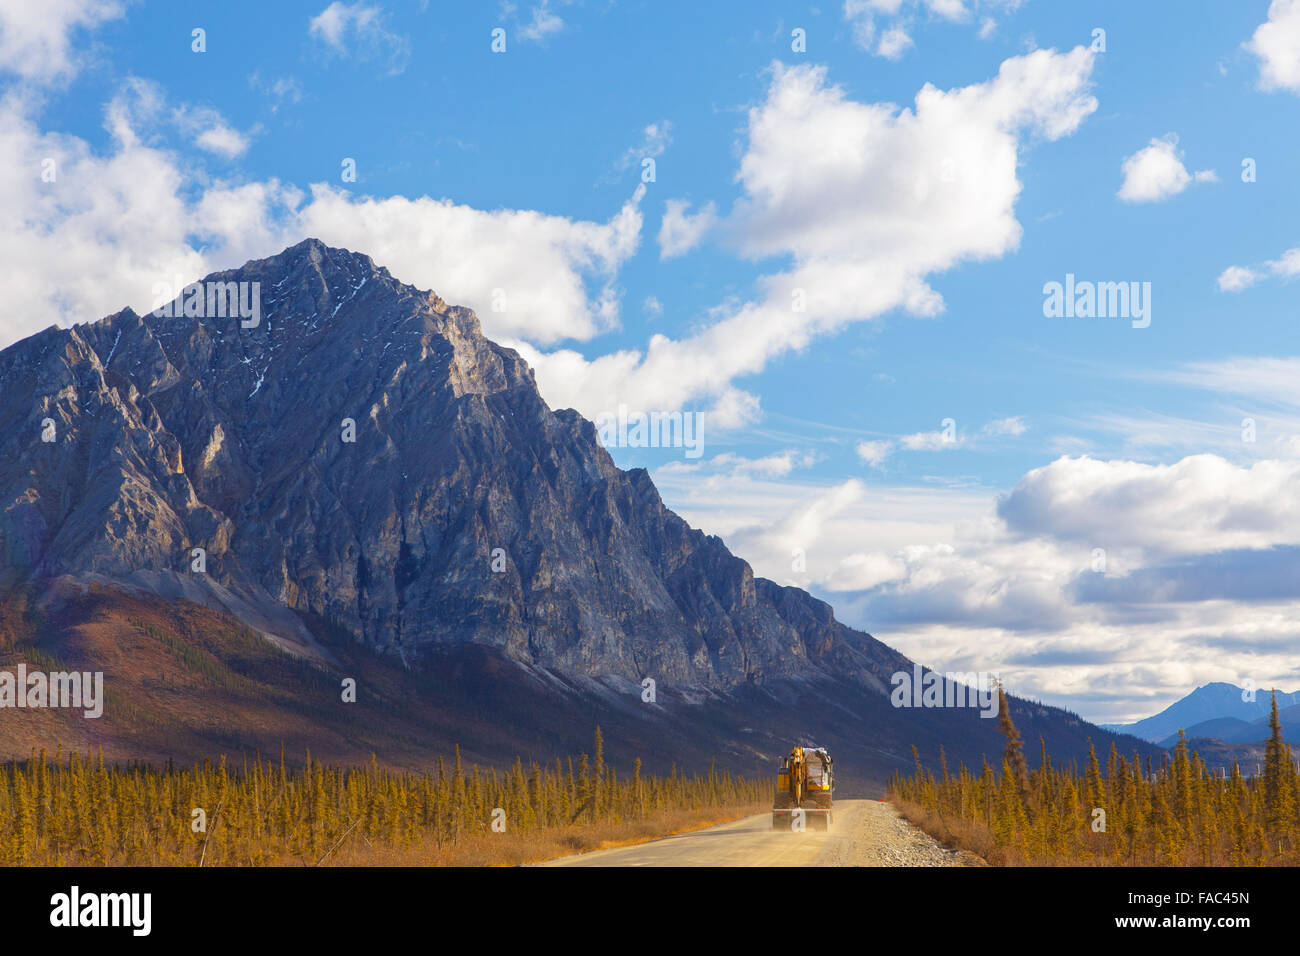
865 833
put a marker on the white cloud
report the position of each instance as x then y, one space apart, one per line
280 90
1276 44
209 131
652 306
540 263
1156 172
1197 505
542 23
95 239
1272 380
874 453
223 140
864 18
1200 575
930 441
894 42
861 572
332 23
799 528
859 198
355 29
655 138
727 464
115 222
1005 426
1237 278
680 231
35 38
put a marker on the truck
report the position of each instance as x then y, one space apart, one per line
805 782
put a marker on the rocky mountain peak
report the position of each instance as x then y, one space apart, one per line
350 449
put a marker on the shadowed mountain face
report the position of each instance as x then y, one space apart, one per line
1220 710
364 459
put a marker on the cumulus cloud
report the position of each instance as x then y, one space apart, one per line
539 262
35 38
115 221
1200 504
866 201
681 231
1276 44
1156 172
1237 278
1097 581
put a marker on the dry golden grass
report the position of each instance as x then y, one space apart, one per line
513 849
972 838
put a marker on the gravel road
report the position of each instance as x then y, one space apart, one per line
865 833
876 835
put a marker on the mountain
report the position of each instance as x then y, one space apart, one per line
1217 728
356 476
1231 730
1213 702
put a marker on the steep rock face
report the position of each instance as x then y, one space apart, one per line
177 433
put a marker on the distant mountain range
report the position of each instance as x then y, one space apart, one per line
230 515
1218 711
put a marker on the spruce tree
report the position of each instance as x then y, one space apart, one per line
1279 801
1014 755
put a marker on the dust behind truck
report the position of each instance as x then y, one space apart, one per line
804 784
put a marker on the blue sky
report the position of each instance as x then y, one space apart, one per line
1096 529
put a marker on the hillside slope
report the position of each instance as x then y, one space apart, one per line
467 530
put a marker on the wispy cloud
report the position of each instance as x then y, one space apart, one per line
1238 278
359 30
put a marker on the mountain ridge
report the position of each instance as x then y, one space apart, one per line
465 512
1215 701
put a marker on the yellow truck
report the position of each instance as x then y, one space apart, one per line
804 784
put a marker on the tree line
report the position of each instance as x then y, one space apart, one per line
1132 812
80 811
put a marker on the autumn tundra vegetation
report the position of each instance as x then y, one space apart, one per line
1172 813
80 811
